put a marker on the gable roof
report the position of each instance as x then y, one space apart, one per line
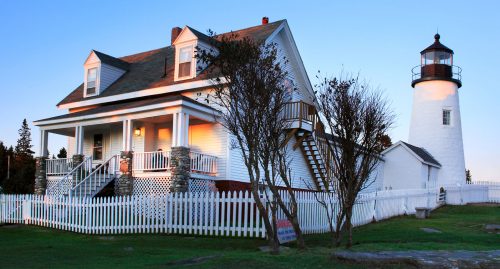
148 69
110 60
422 154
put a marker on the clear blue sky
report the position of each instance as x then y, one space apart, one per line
44 43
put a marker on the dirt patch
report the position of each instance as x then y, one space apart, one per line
485 204
11 226
193 261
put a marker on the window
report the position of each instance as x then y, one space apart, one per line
185 59
97 149
91 81
446 117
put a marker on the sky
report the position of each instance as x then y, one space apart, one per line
44 44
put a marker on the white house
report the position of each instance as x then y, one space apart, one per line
145 105
137 121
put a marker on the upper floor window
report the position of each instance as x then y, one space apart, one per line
91 81
185 61
446 117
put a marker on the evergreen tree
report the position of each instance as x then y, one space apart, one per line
22 178
62 153
23 147
3 162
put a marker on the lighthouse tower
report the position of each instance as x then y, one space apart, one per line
435 120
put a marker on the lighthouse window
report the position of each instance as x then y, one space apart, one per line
446 117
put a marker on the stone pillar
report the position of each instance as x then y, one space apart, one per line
40 175
125 183
77 175
181 167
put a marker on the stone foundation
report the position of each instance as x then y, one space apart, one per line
40 175
181 166
125 184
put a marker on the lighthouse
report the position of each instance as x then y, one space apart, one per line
435 120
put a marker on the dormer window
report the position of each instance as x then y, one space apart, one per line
91 81
185 62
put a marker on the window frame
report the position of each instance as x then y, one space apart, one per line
97 71
443 118
192 68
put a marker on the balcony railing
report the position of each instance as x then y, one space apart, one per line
454 73
299 111
158 161
58 167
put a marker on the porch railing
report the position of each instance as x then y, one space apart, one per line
151 161
59 167
203 164
63 186
92 183
158 161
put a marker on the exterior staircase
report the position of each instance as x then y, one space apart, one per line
313 156
312 140
84 181
97 179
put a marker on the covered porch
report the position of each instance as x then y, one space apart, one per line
148 131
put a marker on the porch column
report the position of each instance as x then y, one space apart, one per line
79 136
44 139
180 159
41 164
125 184
127 135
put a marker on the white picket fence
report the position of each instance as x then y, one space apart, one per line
477 192
218 214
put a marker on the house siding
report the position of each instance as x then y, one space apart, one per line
301 175
109 74
211 139
402 170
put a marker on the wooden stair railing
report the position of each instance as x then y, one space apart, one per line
304 112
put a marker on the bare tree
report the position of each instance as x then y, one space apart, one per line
358 117
251 88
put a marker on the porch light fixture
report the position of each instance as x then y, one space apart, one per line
137 131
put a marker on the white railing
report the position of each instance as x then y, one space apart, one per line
161 161
151 161
63 186
97 179
58 167
203 164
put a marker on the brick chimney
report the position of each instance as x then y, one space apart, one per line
175 33
265 20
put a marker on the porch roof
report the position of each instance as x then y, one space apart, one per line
123 107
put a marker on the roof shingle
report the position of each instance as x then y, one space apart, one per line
422 153
147 69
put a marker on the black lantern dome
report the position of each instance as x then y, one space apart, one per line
436 64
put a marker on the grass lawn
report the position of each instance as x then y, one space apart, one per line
35 247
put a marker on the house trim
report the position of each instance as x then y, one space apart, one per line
164 108
141 93
400 143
